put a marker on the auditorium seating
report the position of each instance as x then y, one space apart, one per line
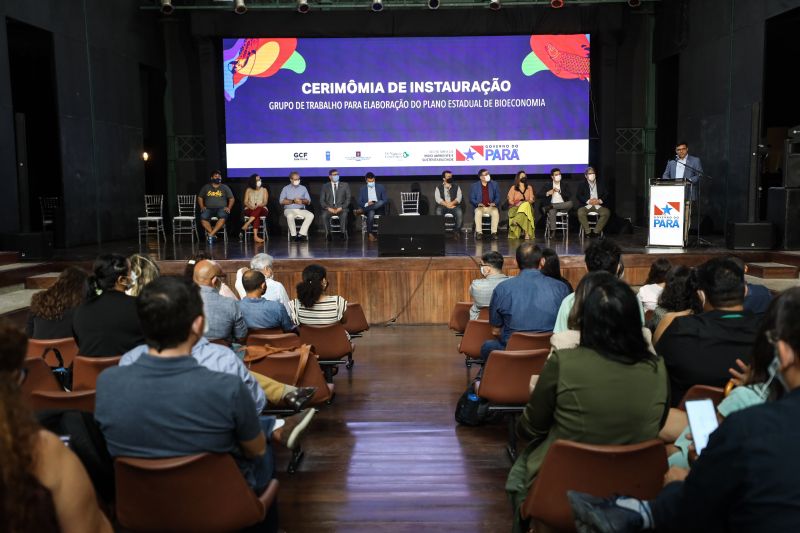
331 345
634 470
289 341
42 400
475 334
506 385
199 493
700 392
354 320
483 313
86 369
459 317
525 340
52 349
38 377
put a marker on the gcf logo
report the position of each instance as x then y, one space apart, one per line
667 216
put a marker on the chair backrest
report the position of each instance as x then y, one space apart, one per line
475 334
635 470
409 202
459 316
507 375
483 313
354 320
42 400
330 342
290 341
525 340
38 377
186 205
66 346
699 392
153 205
202 493
49 205
86 369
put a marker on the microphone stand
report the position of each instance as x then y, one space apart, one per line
699 241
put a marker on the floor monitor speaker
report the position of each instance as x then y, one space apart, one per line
411 236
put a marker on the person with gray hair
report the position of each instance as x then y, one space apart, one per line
276 292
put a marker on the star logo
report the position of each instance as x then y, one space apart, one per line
667 209
470 155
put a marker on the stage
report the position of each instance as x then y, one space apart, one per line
412 290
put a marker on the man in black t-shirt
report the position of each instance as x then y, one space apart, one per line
215 201
699 349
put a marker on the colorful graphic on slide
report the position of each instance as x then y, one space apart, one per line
406 106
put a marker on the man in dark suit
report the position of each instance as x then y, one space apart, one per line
688 168
555 197
372 200
335 201
592 195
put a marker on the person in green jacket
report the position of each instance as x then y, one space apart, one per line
608 390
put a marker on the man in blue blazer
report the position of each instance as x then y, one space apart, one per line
371 201
684 167
484 195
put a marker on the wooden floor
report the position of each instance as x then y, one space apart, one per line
388 456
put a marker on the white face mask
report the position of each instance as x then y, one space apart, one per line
258 185
590 177
488 178
485 271
557 178
295 182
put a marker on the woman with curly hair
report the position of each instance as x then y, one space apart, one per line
43 485
51 310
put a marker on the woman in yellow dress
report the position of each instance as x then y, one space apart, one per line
520 208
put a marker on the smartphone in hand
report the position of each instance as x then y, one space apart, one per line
702 421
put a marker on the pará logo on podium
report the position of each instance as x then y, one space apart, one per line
668 216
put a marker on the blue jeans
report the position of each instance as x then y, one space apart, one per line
210 212
489 346
370 211
259 472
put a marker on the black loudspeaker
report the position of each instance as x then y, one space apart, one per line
750 236
32 245
791 163
411 236
783 210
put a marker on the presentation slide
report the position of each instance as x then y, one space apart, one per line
406 106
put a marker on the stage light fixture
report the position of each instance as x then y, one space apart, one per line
433 4
494 4
634 3
377 5
302 6
239 7
166 7
556 4
145 156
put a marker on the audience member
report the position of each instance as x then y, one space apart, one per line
527 302
679 298
106 324
215 201
699 349
481 289
746 477
654 284
188 273
520 208
166 404
552 267
335 201
312 306
258 312
609 390
556 197
372 200
447 196
255 207
43 485
757 298
143 271
484 195
275 290
592 195
602 255
223 318
51 311
295 201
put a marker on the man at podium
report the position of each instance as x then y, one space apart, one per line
686 168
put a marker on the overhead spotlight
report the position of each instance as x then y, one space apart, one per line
302 6
377 5
166 7
239 8
556 4
433 4
494 4
634 3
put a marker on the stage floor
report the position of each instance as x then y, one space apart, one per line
356 247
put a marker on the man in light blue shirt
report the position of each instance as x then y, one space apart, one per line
260 313
295 199
223 316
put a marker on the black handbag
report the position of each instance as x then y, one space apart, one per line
470 409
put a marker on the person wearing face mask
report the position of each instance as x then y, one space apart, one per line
746 477
106 323
447 196
484 195
592 195
699 349
520 208
275 290
481 289
255 206
555 197
215 201
371 201
295 201
335 200
224 320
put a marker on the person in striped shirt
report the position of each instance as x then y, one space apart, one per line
312 306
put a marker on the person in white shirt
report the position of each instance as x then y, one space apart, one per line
275 289
654 285
295 201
